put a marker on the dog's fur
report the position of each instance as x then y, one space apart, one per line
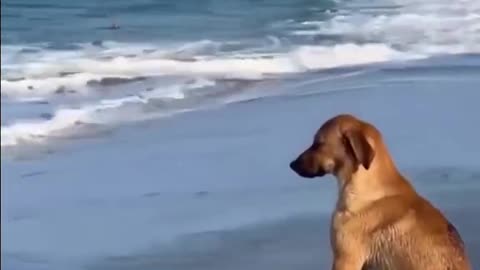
380 221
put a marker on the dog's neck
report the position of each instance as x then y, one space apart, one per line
357 190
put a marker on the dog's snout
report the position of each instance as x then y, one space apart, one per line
294 165
298 166
306 165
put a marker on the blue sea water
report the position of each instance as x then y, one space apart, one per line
151 134
65 23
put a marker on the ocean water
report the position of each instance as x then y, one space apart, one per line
157 134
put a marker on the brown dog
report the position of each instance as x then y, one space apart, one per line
380 222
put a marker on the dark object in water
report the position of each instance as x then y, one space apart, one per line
114 26
98 43
60 90
66 73
63 90
112 81
46 116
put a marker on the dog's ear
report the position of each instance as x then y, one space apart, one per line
362 151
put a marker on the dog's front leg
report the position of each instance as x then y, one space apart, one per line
347 262
348 245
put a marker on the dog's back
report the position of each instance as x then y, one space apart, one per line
421 239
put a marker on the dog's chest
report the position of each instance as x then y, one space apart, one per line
344 233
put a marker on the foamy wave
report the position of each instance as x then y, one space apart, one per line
37 131
416 26
48 86
45 75
316 57
66 122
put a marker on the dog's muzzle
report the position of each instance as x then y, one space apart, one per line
299 167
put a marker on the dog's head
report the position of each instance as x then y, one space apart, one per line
341 145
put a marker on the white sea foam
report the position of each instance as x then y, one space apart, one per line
67 121
415 26
44 75
317 57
